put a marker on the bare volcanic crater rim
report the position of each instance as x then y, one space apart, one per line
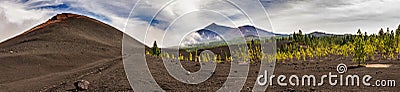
54 19
61 17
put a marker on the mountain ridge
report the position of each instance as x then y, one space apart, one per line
215 32
244 29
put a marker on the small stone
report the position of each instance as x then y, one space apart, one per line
290 90
212 73
312 89
81 85
378 72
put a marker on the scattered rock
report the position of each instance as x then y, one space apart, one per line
290 90
378 72
212 73
100 69
81 85
312 89
248 88
64 16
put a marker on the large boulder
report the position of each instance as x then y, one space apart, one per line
81 85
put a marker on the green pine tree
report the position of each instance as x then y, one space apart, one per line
360 55
155 50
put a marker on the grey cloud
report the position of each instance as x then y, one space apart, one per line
334 16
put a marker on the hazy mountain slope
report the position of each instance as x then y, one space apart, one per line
214 32
246 30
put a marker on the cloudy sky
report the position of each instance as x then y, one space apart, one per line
286 16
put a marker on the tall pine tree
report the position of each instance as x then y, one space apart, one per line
155 50
360 55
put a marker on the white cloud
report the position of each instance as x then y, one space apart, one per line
192 15
192 38
197 38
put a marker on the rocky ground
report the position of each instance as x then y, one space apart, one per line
110 76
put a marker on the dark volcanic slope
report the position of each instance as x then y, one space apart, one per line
65 45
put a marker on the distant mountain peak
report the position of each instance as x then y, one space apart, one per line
245 30
213 24
247 26
319 34
216 26
215 30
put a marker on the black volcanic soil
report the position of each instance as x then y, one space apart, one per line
52 57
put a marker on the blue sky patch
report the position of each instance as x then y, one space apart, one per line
55 7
